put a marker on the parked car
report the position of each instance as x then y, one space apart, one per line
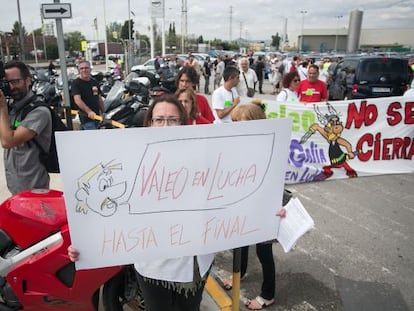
370 76
99 58
70 60
147 66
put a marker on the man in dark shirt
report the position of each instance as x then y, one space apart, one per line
207 74
260 68
86 95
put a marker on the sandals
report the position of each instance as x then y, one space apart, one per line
227 284
259 303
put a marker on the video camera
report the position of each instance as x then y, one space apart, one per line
4 85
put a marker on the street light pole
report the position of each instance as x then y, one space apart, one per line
21 37
337 30
303 26
105 37
128 59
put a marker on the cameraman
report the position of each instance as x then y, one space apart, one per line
21 156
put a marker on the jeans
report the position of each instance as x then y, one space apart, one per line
206 85
90 125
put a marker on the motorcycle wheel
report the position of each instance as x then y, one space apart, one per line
123 293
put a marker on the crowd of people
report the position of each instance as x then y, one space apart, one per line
167 284
281 72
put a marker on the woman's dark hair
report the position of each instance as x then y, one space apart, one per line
171 99
24 70
191 94
190 73
288 78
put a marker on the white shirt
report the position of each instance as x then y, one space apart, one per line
175 269
221 99
409 93
323 75
220 67
303 72
251 79
287 96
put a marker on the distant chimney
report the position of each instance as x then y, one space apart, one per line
354 31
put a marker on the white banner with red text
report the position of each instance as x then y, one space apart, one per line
347 139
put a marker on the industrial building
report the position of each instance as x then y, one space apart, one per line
355 38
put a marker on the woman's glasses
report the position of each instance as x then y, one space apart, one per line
158 121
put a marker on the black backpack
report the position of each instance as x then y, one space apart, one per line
48 158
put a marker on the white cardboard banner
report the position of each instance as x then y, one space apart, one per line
148 193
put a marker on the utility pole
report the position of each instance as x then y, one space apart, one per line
183 24
43 35
231 21
21 37
241 28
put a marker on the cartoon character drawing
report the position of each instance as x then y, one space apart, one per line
332 130
98 192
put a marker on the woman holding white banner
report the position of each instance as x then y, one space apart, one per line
175 284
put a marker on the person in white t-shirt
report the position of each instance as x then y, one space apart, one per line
410 92
226 98
288 93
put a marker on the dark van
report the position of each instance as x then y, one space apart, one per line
365 77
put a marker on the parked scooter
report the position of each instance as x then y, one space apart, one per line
107 82
127 102
35 270
162 82
44 86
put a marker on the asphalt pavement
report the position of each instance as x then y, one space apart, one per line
360 256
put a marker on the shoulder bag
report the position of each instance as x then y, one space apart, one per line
250 91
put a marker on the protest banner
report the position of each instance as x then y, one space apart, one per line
151 193
347 139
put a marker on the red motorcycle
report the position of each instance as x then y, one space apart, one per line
35 270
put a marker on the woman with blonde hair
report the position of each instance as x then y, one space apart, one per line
251 111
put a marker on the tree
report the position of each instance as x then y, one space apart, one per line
16 30
125 30
112 28
200 39
172 37
38 32
145 47
224 45
276 41
73 41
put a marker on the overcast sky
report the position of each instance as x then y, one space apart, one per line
253 19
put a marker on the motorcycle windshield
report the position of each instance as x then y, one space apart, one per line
42 75
114 96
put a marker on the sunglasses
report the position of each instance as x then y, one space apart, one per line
296 80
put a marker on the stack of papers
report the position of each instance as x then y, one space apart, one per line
295 224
